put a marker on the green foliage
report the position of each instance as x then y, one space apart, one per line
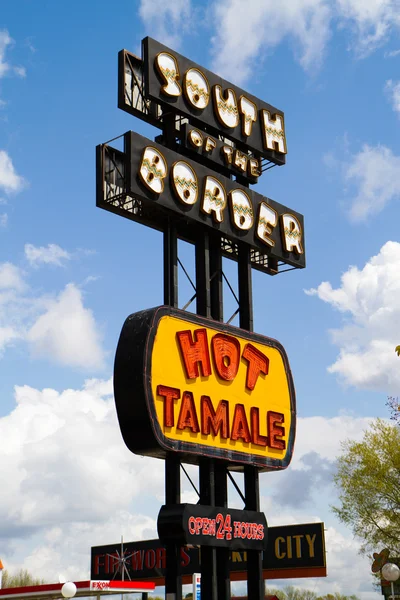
291 593
19 579
368 479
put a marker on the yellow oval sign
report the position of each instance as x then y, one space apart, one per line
196 386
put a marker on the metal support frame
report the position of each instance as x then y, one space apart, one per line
213 474
173 578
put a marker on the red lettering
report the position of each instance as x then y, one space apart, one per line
191 525
217 421
150 559
137 560
260 532
236 529
226 353
111 562
185 558
161 558
256 437
258 363
194 352
187 415
240 427
169 394
275 432
98 562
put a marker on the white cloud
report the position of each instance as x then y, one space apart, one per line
166 20
369 297
5 40
71 484
50 255
392 53
371 21
10 181
3 220
20 71
67 332
306 24
375 172
11 277
392 88
267 24
59 328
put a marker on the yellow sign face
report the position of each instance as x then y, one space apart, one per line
210 390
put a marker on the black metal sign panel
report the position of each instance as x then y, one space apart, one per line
170 183
292 551
214 526
182 86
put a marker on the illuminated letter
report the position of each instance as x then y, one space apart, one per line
214 200
195 138
240 161
249 114
227 152
210 144
291 233
267 218
256 437
196 87
153 169
168 68
275 432
169 394
226 107
258 363
185 182
215 421
194 352
278 552
187 415
274 132
242 209
254 167
226 352
240 427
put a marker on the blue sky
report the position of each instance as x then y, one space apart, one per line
71 273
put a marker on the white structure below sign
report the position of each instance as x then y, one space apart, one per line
196 586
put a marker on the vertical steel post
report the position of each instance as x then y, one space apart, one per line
173 579
217 311
221 499
255 582
208 555
245 289
170 242
203 296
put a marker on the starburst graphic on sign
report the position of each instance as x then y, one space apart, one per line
119 557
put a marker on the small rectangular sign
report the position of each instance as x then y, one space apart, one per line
292 551
215 526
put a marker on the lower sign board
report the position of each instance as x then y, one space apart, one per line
214 526
200 388
292 551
